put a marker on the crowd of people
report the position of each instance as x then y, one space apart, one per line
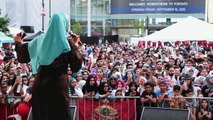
166 76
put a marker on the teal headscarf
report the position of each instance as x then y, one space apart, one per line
72 90
45 48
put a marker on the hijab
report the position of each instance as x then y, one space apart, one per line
45 48
87 87
208 83
72 89
101 88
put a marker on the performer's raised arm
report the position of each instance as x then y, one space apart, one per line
21 49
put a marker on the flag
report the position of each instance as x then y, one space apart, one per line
95 110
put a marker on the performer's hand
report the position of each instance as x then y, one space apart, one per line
19 37
76 40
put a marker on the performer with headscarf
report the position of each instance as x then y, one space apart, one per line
50 54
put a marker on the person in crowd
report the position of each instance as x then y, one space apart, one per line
25 83
100 75
74 90
2 55
69 71
149 77
199 81
140 82
79 76
148 97
138 72
188 84
177 75
139 64
28 95
203 72
163 96
113 83
159 67
132 91
85 74
190 103
8 103
178 62
119 93
171 81
90 88
129 77
50 55
209 84
177 99
121 86
188 66
204 111
159 78
104 93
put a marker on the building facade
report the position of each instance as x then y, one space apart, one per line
104 19
125 24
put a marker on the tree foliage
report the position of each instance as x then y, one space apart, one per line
139 25
4 22
77 28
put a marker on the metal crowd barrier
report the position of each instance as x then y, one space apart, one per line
91 109
122 108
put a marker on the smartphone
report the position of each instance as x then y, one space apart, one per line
71 34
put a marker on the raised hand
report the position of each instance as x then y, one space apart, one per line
76 40
19 37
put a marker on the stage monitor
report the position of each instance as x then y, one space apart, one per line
149 113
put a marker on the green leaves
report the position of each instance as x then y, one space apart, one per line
4 22
77 28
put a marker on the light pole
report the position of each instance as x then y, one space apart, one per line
147 25
42 15
50 5
88 18
206 10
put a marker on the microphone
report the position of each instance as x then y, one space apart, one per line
71 34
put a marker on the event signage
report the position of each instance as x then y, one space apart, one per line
157 6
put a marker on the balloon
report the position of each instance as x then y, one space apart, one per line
23 109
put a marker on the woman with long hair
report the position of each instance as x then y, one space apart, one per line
104 94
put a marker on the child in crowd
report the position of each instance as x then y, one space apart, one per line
177 98
148 97
190 103
119 93
163 96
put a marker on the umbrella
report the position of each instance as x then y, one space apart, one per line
29 38
5 39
